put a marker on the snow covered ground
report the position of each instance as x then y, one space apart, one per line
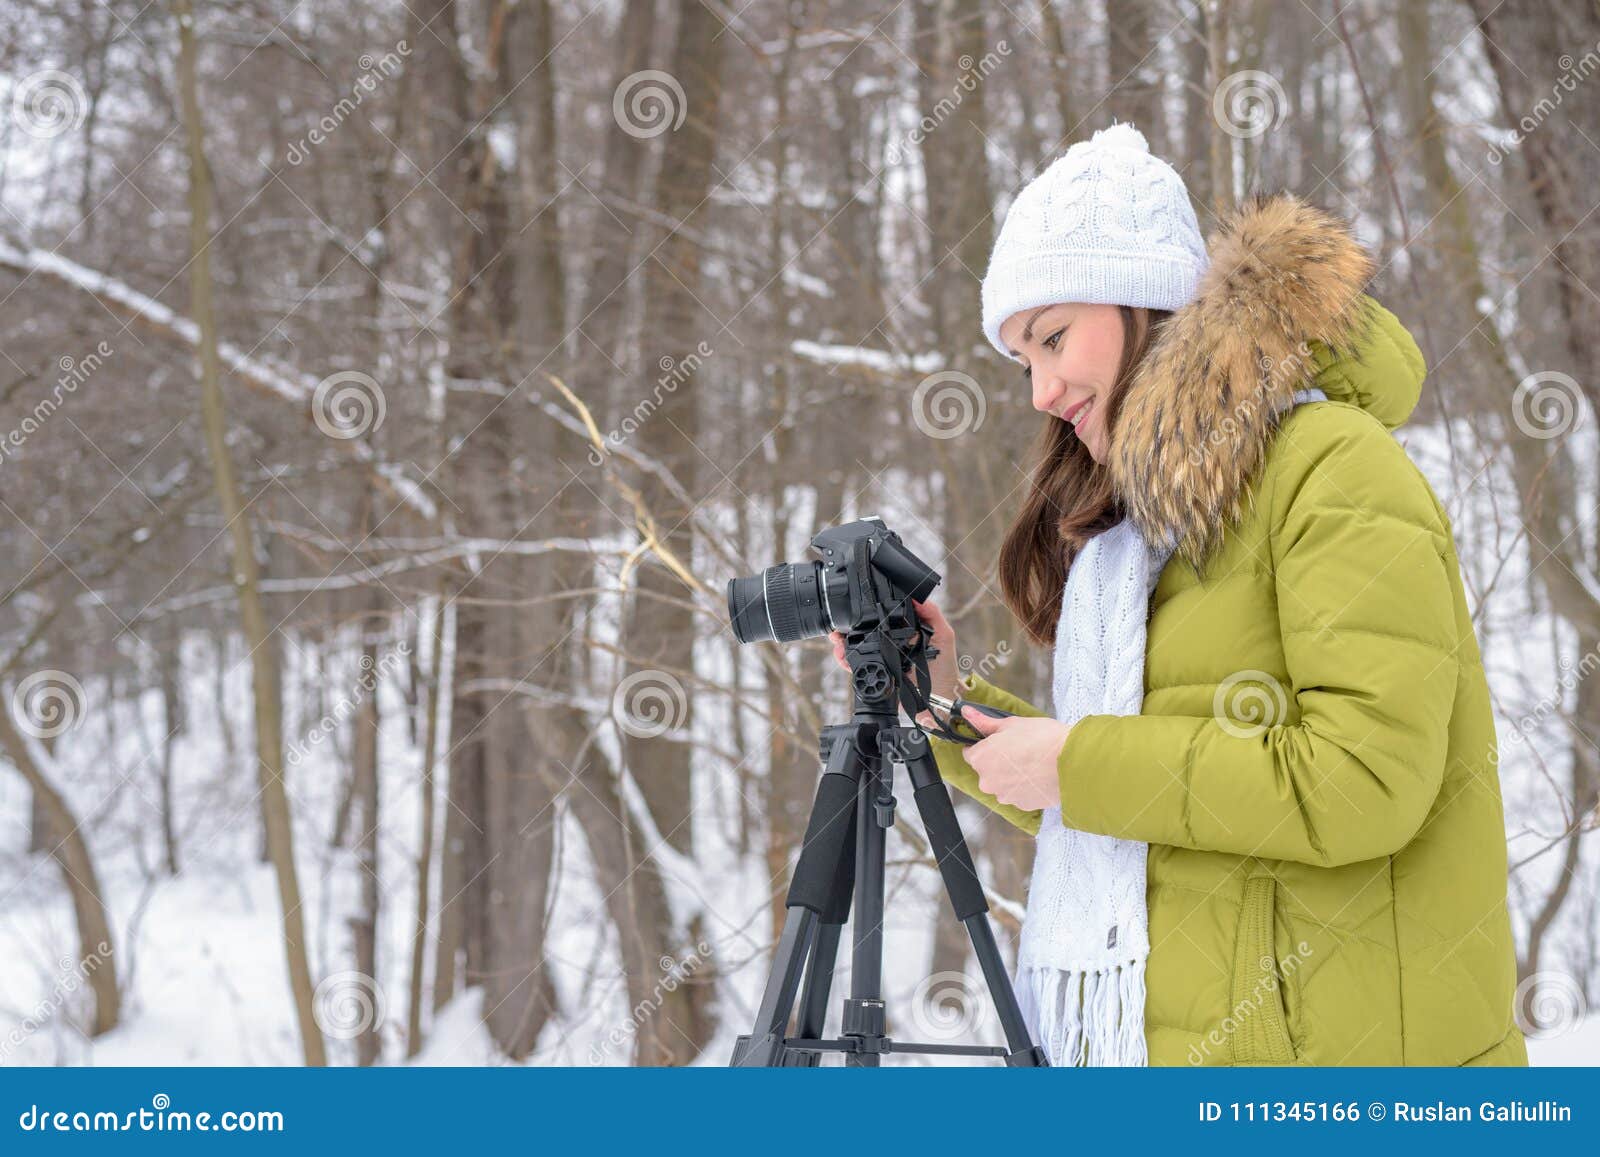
1578 1046
200 956
210 988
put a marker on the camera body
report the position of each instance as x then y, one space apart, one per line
865 578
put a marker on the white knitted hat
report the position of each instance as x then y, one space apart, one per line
1106 223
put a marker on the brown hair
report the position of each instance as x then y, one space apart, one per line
1069 501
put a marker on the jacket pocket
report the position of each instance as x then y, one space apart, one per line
1260 1033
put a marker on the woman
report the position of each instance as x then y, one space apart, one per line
1268 816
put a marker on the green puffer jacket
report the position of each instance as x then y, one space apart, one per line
1314 767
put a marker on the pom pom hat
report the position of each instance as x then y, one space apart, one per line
1106 223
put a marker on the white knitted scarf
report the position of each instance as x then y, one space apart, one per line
1086 934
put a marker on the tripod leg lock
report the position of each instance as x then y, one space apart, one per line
765 1051
865 1019
903 744
1029 1058
859 736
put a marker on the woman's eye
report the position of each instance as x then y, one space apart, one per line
1027 373
1054 339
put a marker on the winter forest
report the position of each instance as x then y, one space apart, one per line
389 389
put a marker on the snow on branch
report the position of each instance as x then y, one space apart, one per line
867 358
120 298
123 299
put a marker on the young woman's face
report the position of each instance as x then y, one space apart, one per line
1070 355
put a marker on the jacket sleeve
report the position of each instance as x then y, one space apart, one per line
953 766
1366 611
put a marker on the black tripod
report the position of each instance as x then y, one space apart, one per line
843 853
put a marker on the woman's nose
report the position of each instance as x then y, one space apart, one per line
1047 392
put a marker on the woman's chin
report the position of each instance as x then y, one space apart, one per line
1093 442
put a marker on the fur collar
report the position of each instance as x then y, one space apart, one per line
1204 403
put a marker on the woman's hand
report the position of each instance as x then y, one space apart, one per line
1018 760
942 671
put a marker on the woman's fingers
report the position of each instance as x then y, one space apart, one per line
931 614
838 649
942 670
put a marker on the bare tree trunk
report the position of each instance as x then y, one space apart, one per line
365 797
1562 163
39 837
1197 121
660 630
465 854
230 742
600 316
679 1021
419 934
96 948
174 718
1585 800
453 852
246 569
500 847
1060 73
1217 41
1132 67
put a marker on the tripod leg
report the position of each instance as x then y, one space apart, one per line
864 1017
824 954
812 891
764 1047
814 994
965 890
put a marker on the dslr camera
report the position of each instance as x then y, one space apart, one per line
865 579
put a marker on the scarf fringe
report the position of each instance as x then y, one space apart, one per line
1091 1018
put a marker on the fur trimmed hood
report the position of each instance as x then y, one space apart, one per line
1282 306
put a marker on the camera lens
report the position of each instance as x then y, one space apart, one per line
784 603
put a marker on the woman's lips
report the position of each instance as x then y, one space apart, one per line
1073 415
